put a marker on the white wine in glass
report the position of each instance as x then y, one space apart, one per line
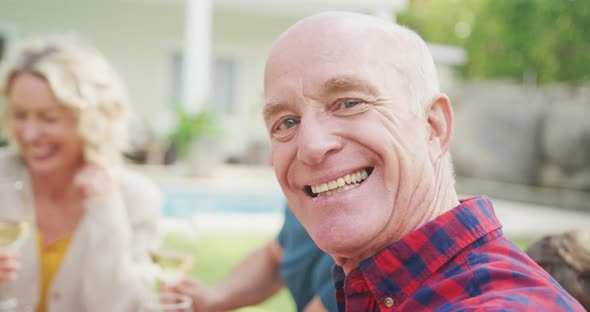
12 233
174 264
15 223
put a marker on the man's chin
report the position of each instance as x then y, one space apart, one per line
344 249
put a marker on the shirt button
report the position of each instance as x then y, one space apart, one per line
388 302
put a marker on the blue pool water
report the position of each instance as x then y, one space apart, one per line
185 203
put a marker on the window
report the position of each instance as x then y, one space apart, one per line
2 46
223 88
175 87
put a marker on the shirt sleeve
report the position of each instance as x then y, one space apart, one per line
122 228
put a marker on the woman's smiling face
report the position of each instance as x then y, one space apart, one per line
44 129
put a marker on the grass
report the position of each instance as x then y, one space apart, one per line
217 255
522 243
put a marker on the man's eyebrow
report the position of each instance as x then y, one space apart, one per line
272 108
347 83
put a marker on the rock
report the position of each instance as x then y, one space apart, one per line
496 137
565 136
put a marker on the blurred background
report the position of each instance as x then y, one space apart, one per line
517 73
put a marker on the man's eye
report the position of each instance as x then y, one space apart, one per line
285 128
350 103
288 123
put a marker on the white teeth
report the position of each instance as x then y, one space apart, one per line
332 185
341 184
347 179
338 190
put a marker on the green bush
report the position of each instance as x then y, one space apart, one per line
191 127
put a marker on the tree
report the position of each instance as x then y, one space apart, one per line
540 40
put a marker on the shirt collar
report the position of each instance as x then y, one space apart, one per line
398 270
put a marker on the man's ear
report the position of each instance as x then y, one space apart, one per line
440 121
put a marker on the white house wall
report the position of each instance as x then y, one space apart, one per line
135 37
249 38
139 37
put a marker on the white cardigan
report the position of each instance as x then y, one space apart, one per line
106 266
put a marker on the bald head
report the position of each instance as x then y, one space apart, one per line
345 91
366 38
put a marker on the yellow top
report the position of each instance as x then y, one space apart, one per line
50 258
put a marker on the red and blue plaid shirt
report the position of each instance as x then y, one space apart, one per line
460 261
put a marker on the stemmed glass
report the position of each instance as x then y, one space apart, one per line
15 224
173 260
172 266
172 263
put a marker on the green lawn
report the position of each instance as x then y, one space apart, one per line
523 243
217 255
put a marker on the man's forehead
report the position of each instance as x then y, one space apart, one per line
306 50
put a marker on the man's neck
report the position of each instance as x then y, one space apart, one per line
429 203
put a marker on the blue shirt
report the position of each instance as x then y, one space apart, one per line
305 269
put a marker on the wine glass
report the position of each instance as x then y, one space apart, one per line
15 224
174 261
173 264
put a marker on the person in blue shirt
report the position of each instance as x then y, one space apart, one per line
305 269
292 259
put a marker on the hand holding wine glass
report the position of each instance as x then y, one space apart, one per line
173 265
14 230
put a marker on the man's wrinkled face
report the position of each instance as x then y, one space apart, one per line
347 148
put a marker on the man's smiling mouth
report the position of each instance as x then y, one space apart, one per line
340 184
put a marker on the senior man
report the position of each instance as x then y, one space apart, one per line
360 136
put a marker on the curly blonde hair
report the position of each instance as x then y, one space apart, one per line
81 79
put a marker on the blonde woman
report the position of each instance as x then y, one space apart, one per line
65 112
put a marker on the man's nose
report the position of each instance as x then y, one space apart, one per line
316 139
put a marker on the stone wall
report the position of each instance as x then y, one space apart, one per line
528 135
